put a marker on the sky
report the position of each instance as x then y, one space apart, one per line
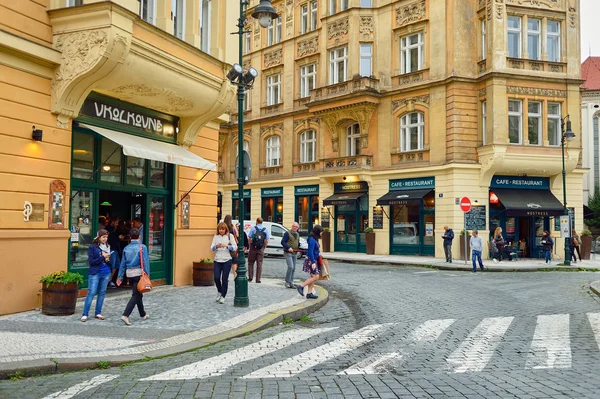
590 28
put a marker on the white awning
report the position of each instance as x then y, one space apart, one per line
140 147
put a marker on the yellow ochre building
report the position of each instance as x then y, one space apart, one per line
107 108
383 114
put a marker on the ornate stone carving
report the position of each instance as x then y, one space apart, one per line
572 17
140 90
174 102
270 129
516 64
489 10
499 9
555 68
365 28
305 122
361 113
273 58
412 78
409 102
337 28
536 66
533 91
308 46
536 3
482 92
410 13
331 121
481 4
289 10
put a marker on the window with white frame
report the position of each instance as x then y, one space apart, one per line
338 65
553 40
246 101
178 12
274 32
411 49
484 121
534 122
314 15
308 78
515 121
273 89
148 11
205 16
353 140
246 148
483 39
304 18
534 30
412 127
343 5
554 124
247 42
366 3
308 146
273 151
366 59
308 17
514 36
74 3
332 7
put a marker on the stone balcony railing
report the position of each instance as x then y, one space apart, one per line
536 65
356 85
348 163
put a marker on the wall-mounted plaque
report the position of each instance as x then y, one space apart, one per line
185 212
377 217
37 212
57 203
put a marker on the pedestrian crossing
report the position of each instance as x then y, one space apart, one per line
464 351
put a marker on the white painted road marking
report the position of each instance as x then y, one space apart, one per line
310 358
594 319
219 364
82 387
477 350
550 347
428 332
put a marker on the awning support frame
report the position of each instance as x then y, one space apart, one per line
190 190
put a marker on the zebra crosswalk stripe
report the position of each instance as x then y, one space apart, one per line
477 350
594 319
550 346
82 387
217 365
311 358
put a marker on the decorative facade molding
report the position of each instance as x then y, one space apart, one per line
482 92
532 91
337 29
308 46
537 3
499 9
366 28
481 4
410 13
411 78
270 129
174 103
304 123
410 102
273 58
361 113
572 17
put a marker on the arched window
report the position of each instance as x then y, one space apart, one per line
353 140
411 131
308 146
273 152
246 148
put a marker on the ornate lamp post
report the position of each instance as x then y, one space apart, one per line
264 13
567 135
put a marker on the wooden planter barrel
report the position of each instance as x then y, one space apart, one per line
370 240
326 241
59 299
586 247
203 274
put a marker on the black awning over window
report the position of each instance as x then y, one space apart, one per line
342 199
403 197
529 202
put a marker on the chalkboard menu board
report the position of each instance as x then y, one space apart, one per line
324 218
377 217
475 218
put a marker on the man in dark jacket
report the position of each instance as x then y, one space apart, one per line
448 237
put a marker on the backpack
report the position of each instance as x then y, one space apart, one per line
258 238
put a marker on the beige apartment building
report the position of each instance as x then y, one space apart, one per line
383 114
108 108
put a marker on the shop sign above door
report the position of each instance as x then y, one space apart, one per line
271 192
356 187
410 184
518 182
247 194
306 190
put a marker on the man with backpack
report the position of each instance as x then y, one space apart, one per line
259 239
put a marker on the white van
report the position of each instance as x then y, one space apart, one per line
276 232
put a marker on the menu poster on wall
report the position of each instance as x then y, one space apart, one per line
571 214
429 229
341 224
325 218
377 217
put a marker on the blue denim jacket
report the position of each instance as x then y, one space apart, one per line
131 258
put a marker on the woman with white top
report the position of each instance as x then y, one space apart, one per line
223 242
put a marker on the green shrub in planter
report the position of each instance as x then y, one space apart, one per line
586 232
62 277
369 230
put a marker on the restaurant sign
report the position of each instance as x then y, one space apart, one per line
412 184
236 195
518 182
272 192
356 187
306 190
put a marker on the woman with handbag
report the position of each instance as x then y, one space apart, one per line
499 241
234 261
312 262
134 263
576 242
223 244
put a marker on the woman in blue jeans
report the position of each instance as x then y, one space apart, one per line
223 244
98 274
548 243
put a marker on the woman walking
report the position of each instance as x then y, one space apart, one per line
232 230
223 242
574 246
134 262
499 241
548 243
311 263
98 274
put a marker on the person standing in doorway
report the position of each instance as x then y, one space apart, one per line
259 239
448 237
499 242
548 243
476 250
290 243
137 223
115 244
98 274
312 264
134 262
223 243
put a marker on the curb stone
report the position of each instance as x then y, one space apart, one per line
28 368
595 287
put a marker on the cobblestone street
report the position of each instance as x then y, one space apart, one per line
387 332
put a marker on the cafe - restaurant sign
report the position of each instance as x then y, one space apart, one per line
518 182
413 184
356 187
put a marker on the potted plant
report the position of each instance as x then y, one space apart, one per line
586 244
326 239
59 293
203 273
370 240
462 243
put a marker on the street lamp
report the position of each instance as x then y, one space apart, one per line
567 135
264 13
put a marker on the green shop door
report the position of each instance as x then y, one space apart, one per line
159 236
350 224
